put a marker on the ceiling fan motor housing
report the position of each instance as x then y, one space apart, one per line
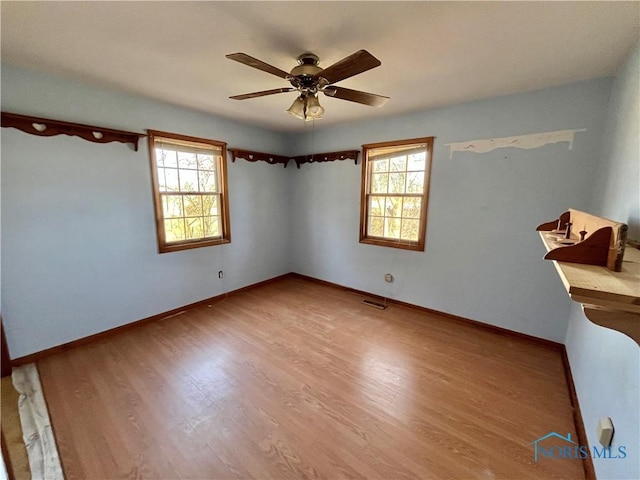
304 75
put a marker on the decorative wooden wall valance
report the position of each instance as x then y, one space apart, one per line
529 141
327 157
46 127
252 156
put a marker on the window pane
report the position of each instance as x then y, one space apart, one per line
417 161
376 206
415 182
166 158
392 227
174 230
171 180
192 206
186 160
411 207
409 230
393 207
188 181
380 165
161 181
210 205
396 182
194 227
376 226
205 162
399 164
159 158
212 226
207 180
172 206
379 182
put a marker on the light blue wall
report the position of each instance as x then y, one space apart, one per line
617 189
605 363
78 234
483 258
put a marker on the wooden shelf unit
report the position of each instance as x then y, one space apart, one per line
602 241
610 299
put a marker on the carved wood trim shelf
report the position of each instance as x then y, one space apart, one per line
601 241
327 157
609 298
46 127
271 159
252 156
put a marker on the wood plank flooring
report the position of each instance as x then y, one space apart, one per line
299 380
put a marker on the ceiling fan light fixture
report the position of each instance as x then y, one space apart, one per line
314 109
306 107
297 108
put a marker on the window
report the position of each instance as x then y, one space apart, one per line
395 190
190 191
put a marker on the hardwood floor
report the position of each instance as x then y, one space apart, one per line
299 380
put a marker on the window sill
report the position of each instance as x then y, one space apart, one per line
194 244
418 247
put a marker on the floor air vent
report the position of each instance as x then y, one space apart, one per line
373 303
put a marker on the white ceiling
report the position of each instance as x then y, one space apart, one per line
432 53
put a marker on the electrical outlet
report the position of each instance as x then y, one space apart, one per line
388 278
605 431
220 274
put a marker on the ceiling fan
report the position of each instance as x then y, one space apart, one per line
308 79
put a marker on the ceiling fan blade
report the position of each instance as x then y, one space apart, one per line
263 93
359 62
255 63
357 96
